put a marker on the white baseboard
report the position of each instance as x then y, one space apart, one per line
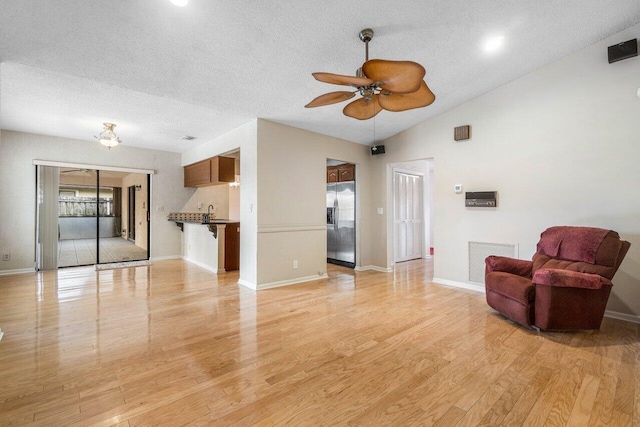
165 258
281 283
203 265
455 284
374 268
247 284
18 271
622 316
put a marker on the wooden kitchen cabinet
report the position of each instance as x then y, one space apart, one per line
341 173
232 247
346 172
216 170
197 174
332 174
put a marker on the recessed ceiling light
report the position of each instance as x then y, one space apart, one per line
181 3
493 43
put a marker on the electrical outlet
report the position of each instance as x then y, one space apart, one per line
6 257
295 264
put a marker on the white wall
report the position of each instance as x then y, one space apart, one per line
292 201
17 180
215 195
282 199
561 146
200 247
245 138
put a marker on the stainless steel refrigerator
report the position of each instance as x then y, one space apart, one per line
341 223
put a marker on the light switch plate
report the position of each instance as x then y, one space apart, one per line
457 188
380 211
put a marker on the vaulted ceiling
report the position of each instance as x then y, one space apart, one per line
161 72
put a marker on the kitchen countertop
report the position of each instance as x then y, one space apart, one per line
212 222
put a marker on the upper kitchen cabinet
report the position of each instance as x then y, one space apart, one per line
216 170
346 172
332 174
341 173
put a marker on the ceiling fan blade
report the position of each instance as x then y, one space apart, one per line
361 109
407 101
338 79
396 76
330 98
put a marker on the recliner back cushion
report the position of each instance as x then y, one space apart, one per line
606 254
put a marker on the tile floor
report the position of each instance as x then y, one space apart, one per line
83 251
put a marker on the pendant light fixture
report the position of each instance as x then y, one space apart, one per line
108 137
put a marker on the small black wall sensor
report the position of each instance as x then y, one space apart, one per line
624 50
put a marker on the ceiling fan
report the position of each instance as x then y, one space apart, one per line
384 85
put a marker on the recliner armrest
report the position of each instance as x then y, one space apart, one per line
569 279
520 267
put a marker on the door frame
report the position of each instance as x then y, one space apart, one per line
357 189
148 172
395 170
131 213
429 197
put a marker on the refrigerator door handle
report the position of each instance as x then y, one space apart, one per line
335 218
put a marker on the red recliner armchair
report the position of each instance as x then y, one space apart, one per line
565 287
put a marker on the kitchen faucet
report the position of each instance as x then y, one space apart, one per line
207 217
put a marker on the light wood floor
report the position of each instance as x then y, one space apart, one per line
173 344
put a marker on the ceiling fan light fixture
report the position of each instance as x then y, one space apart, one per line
493 43
108 137
383 85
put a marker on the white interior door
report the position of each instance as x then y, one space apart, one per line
407 216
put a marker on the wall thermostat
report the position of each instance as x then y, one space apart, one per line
457 188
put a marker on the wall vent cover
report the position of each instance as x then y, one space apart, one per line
478 251
461 133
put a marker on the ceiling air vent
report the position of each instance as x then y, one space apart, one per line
188 138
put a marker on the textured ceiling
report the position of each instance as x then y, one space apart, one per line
161 72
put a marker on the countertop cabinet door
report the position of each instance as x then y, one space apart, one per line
232 247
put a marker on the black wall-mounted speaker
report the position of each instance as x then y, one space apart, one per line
623 50
377 149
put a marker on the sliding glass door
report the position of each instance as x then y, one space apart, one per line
82 217
124 225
